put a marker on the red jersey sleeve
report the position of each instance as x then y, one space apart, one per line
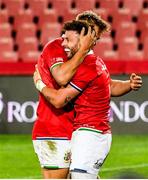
53 53
83 77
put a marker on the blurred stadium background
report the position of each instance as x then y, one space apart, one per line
25 27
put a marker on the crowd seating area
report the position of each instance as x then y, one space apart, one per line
27 25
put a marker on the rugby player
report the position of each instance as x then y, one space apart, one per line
91 138
53 128
62 72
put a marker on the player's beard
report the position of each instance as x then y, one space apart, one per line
71 52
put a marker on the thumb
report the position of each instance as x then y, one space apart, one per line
133 75
36 68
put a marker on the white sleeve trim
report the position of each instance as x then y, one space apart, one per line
76 87
56 64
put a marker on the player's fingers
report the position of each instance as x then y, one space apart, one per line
136 88
89 31
93 34
37 70
137 81
82 32
36 67
133 75
137 78
35 74
137 85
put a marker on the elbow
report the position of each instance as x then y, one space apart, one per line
58 103
58 106
62 81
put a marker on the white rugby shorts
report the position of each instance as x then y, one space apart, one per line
89 149
53 153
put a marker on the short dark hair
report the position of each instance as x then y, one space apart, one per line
76 26
92 18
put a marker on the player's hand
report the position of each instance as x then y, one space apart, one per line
36 75
88 40
135 82
38 80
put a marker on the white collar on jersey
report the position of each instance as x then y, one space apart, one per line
90 52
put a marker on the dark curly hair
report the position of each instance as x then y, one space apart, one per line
92 18
76 26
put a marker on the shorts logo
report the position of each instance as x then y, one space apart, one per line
67 157
52 146
98 164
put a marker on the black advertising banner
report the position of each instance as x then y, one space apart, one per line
129 113
19 100
18 103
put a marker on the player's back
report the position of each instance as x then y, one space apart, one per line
93 104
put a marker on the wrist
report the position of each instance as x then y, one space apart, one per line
83 51
40 85
81 54
130 85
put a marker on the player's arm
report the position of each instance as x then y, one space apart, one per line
62 96
57 98
63 72
119 88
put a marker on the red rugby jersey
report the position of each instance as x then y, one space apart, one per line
93 104
52 122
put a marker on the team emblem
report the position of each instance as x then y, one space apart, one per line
98 164
67 157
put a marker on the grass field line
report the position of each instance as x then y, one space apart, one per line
124 167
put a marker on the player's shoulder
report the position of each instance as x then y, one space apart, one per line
90 53
99 60
90 57
54 43
53 46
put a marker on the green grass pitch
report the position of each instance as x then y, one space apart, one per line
129 153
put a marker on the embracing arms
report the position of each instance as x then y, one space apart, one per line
58 98
62 96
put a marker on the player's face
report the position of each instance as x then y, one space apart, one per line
70 43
